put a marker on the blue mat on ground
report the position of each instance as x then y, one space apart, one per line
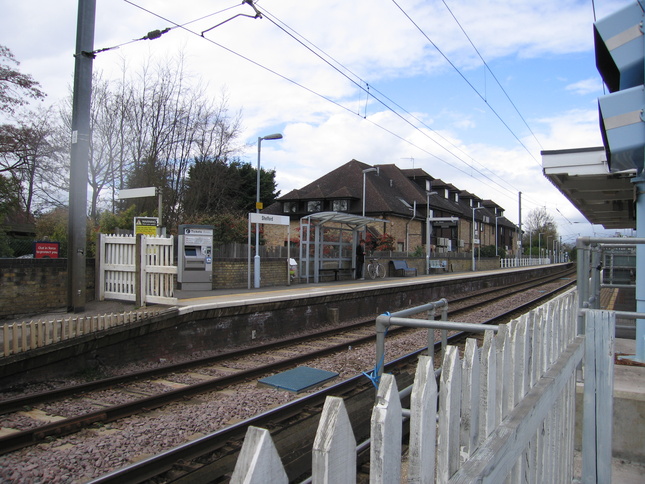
298 379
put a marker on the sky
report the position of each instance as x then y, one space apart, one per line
469 91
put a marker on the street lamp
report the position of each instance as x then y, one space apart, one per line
496 218
428 229
473 238
548 250
540 248
258 205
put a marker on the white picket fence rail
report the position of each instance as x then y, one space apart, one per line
506 412
523 262
118 278
28 335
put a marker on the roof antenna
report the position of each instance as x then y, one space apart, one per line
411 159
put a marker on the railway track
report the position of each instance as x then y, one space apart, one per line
137 405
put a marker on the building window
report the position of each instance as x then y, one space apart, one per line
314 206
290 207
340 205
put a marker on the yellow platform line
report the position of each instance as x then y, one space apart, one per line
612 299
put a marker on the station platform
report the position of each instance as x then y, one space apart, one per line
629 380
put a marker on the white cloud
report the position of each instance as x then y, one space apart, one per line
586 86
377 43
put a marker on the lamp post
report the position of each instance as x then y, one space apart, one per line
473 238
258 205
540 248
530 246
496 218
548 250
428 230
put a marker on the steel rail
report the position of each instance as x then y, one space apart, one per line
26 438
156 466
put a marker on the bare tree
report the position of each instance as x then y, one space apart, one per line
147 130
539 221
26 147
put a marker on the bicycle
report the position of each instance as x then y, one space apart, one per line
375 269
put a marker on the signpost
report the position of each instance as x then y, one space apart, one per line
260 218
145 225
142 193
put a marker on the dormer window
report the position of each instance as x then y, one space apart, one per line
340 205
314 206
290 207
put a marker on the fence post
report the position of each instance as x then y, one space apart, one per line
101 267
334 450
488 401
470 399
423 427
598 396
138 287
386 425
449 415
258 461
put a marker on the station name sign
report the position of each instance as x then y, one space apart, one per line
260 218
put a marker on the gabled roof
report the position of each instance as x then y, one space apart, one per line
388 190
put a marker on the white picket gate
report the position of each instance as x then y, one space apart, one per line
118 278
506 414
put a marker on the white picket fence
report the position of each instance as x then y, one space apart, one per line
506 413
118 278
523 262
28 335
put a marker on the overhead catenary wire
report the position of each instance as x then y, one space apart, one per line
483 98
358 81
336 103
153 34
492 73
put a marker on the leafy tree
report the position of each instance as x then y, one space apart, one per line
489 251
9 204
16 88
53 226
109 223
248 188
217 186
228 227
382 242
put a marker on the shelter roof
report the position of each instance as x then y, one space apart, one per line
583 176
354 221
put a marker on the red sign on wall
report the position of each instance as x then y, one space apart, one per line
46 250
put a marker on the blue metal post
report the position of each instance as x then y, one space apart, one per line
640 267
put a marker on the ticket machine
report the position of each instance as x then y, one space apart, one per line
195 257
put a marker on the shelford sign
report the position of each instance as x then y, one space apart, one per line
260 218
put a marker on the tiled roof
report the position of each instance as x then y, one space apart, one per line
390 190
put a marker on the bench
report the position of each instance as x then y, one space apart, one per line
336 271
401 268
439 264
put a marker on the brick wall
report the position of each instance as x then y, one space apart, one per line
233 273
32 286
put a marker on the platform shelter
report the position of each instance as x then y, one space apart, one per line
328 243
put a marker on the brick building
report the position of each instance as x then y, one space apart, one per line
400 198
